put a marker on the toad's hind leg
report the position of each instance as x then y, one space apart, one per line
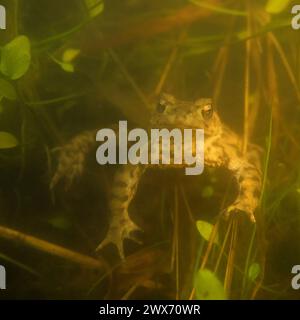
123 191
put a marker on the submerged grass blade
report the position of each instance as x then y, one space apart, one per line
218 9
286 64
247 264
129 78
231 257
55 100
19 264
267 158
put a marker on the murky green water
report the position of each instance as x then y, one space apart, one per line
85 65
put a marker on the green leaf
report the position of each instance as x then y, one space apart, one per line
254 271
16 57
7 140
208 286
70 54
7 90
205 229
95 7
68 67
207 192
276 6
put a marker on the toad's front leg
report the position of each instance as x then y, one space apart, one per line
249 178
123 191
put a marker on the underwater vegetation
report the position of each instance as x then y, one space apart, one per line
71 67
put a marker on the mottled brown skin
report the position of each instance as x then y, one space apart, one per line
222 148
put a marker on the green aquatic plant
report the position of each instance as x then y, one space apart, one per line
208 286
7 90
7 140
206 229
95 7
66 62
15 58
276 6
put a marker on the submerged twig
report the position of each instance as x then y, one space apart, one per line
53 249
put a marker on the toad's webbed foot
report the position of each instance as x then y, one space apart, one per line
118 231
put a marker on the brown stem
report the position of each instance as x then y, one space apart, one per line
53 249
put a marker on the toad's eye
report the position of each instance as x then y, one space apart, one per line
161 106
207 111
